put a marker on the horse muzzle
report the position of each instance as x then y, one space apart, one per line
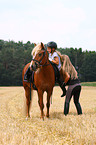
34 66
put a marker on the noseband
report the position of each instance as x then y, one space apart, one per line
39 62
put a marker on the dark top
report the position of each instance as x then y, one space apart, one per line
72 82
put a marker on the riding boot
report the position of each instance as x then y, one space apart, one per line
62 86
78 107
66 108
27 74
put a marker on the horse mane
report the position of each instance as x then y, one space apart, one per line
37 48
68 67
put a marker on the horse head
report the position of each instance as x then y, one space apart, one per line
40 57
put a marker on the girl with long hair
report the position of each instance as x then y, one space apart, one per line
74 86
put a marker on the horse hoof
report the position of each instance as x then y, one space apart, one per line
27 117
42 117
47 115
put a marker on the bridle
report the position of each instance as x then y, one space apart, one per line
39 62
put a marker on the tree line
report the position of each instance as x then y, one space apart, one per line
15 55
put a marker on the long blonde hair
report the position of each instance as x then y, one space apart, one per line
68 67
59 55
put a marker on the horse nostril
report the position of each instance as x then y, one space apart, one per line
32 67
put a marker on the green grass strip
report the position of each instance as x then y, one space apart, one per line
93 84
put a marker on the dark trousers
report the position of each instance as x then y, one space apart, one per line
73 90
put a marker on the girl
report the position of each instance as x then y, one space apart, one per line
55 59
74 87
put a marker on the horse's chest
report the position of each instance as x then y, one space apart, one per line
44 80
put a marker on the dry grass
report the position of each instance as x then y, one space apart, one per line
57 130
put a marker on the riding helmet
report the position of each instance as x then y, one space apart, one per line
52 44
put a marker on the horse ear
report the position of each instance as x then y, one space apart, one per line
42 45
34 44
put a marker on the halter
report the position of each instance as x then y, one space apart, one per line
39 62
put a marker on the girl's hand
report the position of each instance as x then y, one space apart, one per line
50 59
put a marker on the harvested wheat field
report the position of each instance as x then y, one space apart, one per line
57 130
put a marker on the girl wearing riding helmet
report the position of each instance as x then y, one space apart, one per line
55 59
53 56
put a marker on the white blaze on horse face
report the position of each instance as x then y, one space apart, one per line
32 60
34 56
31 64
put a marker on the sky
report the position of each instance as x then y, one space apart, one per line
70 23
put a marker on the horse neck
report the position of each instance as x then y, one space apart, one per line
45 69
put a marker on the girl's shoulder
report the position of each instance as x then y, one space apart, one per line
55 54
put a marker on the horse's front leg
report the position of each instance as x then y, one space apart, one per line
28 101
40 101
48 102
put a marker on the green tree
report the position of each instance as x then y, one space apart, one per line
88 69
15 55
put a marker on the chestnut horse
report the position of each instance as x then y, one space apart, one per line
44 78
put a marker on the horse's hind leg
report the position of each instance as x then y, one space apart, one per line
40 101
48 103
27 94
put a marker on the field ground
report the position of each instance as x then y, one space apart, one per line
57 130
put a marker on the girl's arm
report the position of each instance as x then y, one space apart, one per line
56 60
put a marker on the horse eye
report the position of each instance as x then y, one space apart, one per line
40 54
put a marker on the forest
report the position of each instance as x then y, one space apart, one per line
15 55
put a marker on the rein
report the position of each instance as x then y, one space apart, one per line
45 64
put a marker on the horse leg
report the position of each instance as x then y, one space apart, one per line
27 94
48 102
40 101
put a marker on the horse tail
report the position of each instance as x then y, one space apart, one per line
30 89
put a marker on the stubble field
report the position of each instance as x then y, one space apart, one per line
57 130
